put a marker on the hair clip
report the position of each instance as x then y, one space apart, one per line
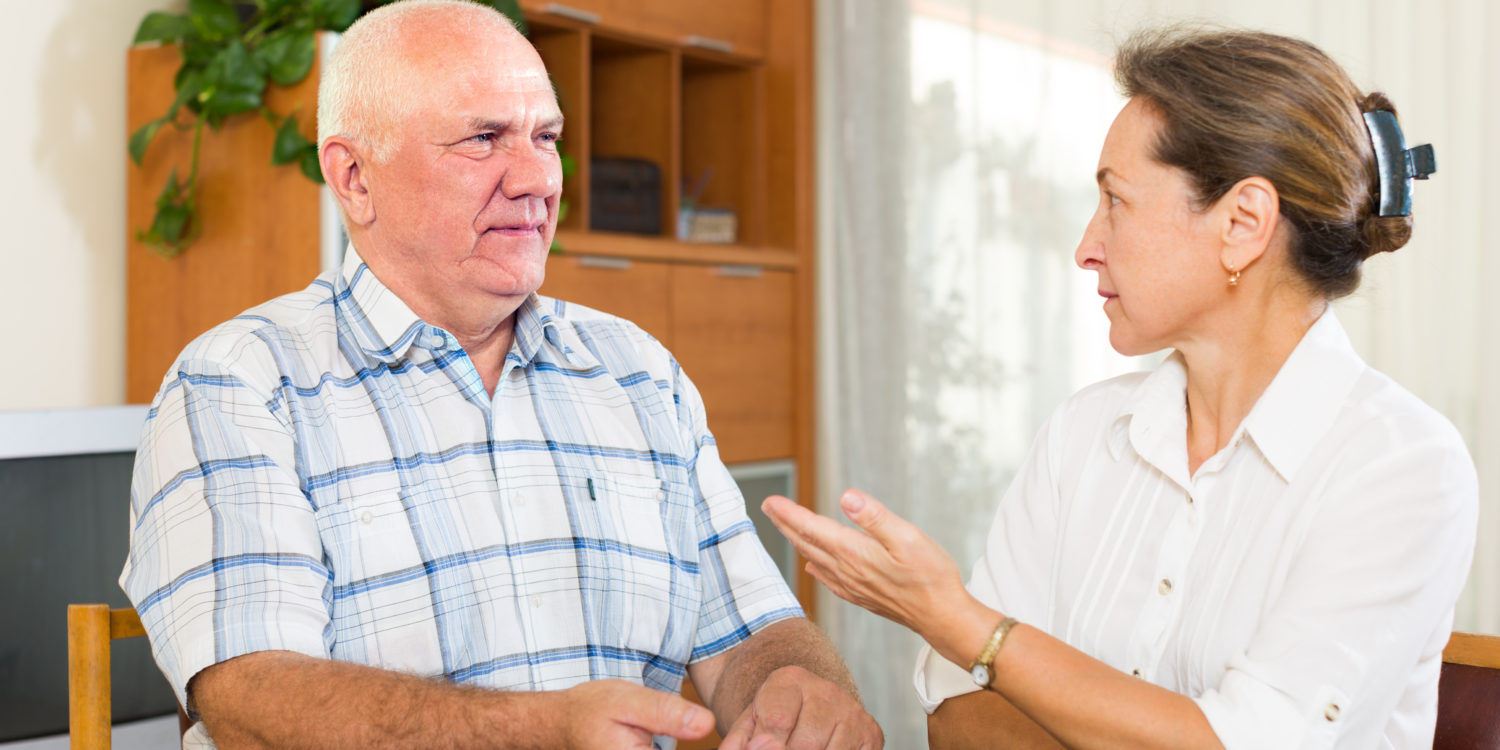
1397 164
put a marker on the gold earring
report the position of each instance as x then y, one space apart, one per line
1234 277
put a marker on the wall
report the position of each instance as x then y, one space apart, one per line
62 264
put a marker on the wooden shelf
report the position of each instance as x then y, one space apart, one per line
641 247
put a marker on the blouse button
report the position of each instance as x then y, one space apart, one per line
1165 587
1332 712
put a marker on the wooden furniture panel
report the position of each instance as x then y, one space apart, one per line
565 52
723 126
1469 694
738 27
260 222
635 111
630 289
732 332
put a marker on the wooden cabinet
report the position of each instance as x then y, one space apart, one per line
737 27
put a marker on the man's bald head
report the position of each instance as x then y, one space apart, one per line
368 87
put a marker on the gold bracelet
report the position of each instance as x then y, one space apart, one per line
983 668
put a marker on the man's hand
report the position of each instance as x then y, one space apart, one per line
620 714
797 710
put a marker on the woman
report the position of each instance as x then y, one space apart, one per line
1258 544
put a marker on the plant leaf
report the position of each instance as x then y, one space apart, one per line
215 20
289 142
171 193
309 164
232 83
171 223
141 138
287 54
162 27
334 14
512 10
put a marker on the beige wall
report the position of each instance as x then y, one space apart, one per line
62 201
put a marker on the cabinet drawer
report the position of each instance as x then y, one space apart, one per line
732 333
633 290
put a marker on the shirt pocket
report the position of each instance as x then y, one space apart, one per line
634 558
381 600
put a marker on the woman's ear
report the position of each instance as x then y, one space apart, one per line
343 170
1251 212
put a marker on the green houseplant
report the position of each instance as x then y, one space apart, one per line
231 52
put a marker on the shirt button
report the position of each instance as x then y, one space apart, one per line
519 499
536 601
1332 712
1165 587
367 518
661 496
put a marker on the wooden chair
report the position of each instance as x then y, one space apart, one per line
91 627
1469 694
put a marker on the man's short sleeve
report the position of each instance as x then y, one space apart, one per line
225 557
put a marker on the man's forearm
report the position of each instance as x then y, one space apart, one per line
787 643
279 699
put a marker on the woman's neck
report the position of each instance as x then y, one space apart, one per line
1228 371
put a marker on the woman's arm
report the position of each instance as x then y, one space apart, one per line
891 568
982 721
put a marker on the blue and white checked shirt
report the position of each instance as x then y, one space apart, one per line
326 474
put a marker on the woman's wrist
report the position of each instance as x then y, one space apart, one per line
960 634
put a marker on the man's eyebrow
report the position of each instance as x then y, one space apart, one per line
500 126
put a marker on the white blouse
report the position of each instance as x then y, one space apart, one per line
1299 587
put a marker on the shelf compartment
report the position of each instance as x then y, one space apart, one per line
565 52
723 122
635 111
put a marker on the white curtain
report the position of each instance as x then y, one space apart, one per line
958 141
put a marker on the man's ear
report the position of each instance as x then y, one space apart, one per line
1251 212
344 171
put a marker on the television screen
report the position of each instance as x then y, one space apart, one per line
64 515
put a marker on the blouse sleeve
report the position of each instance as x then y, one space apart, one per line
1367 602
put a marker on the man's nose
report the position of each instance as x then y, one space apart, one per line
532 172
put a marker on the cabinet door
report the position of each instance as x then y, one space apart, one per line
732 330
630 289
737 26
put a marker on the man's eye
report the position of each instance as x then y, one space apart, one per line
1113 199
550 137
482 137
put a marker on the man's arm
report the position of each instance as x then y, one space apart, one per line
982 720
281 699
786 681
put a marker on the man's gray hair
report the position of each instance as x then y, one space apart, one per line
363 93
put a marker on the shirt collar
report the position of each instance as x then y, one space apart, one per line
386 329
1288 419
1306 395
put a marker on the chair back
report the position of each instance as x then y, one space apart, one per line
1469 694
91 627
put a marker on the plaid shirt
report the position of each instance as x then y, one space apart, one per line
326 474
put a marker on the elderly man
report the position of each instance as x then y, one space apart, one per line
417 468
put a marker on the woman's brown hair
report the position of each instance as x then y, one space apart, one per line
1238 104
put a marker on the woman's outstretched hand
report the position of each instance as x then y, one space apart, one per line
887 565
